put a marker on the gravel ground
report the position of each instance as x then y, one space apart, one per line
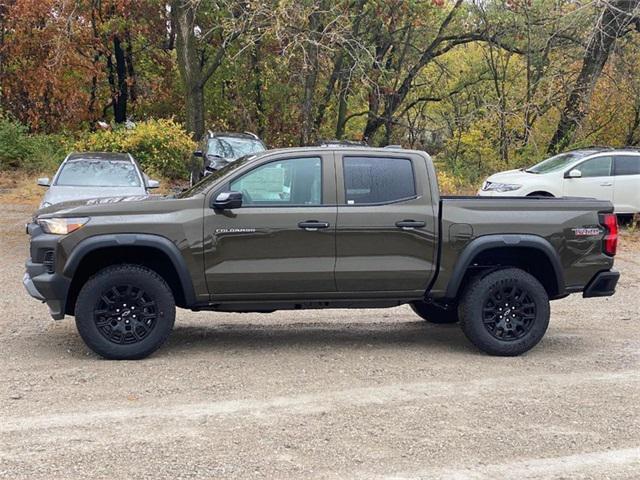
319 394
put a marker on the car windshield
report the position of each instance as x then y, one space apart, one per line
234 147
203 185
98 173
558 162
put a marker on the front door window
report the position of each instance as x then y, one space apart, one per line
291 182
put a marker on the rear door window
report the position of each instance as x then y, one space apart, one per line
377 180
627 165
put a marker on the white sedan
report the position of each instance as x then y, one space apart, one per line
605 174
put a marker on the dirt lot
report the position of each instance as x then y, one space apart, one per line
328 394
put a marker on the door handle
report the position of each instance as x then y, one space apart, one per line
313 225
409 224
606 184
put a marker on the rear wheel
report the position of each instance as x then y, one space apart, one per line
505 312
435 314
125 312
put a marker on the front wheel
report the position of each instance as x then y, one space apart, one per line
125 312
505 313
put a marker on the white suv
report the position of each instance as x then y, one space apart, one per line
601 173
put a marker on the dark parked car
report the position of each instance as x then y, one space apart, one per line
219 149
322 227
87 175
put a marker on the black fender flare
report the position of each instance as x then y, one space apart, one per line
487 242
158 242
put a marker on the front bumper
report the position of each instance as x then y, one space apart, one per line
39 281
603 284
50 288
31 288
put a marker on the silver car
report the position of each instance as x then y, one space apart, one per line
87 175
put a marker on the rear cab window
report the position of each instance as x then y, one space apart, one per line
377 180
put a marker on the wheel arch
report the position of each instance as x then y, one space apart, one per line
153 251
531 253
541 193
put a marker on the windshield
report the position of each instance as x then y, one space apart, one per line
203 185
233 147
558 162
98 173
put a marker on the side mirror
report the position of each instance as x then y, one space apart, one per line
575 173
44 182
197 153
227 201
153 183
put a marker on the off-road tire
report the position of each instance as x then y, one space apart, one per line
149 318
482 316
435 314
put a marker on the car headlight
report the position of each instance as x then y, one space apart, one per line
61 226
500 187
45 204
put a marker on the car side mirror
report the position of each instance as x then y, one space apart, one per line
153 183
575 173
197 153
44 182
227 201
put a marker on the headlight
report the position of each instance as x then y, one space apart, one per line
61 226
45 204
500 187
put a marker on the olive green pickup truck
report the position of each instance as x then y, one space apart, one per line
322 227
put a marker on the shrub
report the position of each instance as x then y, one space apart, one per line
161 146
13 144
21 150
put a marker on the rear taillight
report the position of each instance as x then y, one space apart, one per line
610 223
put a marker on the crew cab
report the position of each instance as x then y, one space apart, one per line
321 227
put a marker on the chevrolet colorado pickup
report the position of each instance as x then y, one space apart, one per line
322 227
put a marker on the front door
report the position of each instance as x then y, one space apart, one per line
386 239
281 242
596 180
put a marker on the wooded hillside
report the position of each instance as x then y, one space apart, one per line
482 84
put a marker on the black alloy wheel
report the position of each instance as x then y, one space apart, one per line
509 312
125 314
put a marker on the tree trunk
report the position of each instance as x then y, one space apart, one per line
194 120
183 19
121 91
631 139
328 92
310 79
131 72
615 17
341 121
257 87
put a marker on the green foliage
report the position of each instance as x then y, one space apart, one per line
161 146
19 149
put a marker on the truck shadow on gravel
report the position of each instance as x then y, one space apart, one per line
404 337
317 337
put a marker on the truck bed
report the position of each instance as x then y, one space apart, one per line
559 221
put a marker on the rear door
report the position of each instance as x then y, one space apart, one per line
626 177
385 236
596 180
281 242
